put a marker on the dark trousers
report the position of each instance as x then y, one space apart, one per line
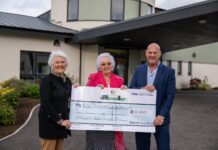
162 138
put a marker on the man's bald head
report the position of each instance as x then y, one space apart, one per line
154 45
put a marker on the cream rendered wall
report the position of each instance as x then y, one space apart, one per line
59 17
89 55
204 54
209 70
12 44
199 70
204 64
183 79
83 25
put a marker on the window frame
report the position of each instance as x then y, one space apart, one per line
179 68
140 8
122 12
189 68
169 63
111 12
34 75
77 17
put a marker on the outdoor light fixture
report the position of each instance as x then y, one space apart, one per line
175 44
202 20
194 55
126 39
56 43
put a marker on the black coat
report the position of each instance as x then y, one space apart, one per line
55 94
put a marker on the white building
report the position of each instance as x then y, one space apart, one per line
196 62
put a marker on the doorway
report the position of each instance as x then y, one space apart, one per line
121 61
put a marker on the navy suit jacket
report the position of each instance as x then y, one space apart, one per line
164 83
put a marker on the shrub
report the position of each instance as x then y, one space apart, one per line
31 90
204 86
7 115
194 83
22 88
14 83
9 96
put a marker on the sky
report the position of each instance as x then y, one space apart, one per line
37 7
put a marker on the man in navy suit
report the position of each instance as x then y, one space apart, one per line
155 76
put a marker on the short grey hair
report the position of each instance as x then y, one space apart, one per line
105 55
57 53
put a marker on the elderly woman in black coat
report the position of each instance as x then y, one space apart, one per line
55 92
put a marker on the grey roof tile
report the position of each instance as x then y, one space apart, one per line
31 23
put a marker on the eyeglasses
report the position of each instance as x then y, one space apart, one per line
104 64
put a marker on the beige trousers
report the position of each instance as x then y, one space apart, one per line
54 144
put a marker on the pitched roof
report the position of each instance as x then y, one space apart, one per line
15 21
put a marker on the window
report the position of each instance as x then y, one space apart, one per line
94 10
72 9
33 65
179 69
117 10
189 68
146 9
169 63
131 9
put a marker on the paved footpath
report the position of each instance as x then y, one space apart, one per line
194 127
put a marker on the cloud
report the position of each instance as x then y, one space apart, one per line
30 4
25 7
31 7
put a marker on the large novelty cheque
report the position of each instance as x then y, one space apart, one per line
112 109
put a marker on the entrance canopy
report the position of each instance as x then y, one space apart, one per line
173 29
